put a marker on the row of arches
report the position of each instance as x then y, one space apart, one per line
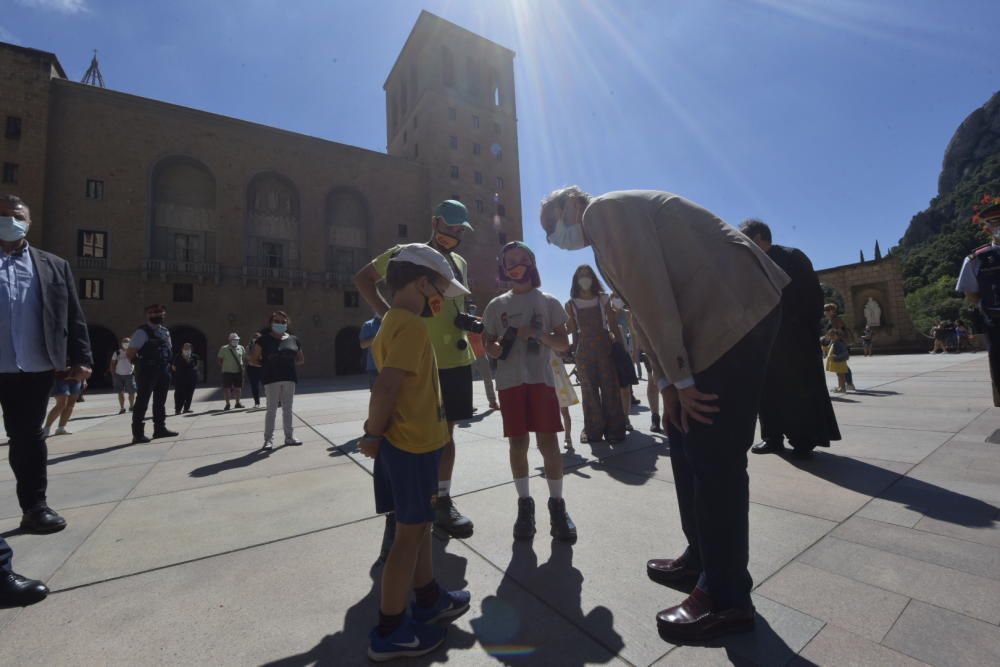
349 358
184 219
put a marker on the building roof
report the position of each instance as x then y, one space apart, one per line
36 53
428 24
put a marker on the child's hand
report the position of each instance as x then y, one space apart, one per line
369 446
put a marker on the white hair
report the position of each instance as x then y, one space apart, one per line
557 200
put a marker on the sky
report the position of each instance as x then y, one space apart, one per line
828 119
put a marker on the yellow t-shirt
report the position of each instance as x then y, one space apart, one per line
445 336
418 423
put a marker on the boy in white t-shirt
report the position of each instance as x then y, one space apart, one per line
123 376
523 327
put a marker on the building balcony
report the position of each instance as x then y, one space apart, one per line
256 271
164 268
91 263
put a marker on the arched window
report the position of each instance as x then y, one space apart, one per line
183 212
347 234
272 234
447 67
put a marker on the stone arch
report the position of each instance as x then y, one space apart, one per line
348 222
349 358
183 210
273 222
103 343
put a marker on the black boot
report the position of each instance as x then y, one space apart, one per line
138 436
163 432
563 528
524 527
450 520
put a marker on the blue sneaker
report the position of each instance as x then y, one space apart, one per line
449 606
410 640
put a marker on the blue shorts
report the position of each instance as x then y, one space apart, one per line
63 387
406 483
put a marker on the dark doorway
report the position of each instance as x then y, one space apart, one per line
103 344
181 334
349 358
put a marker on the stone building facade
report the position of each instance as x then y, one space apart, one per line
881 280
224 221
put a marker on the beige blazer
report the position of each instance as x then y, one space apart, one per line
695 284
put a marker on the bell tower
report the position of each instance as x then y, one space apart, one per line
450 106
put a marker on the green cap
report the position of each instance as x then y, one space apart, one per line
454 214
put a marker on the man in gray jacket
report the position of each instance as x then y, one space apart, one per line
706 305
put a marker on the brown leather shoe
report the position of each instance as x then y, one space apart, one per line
694 621
670 571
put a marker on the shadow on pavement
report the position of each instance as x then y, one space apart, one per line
634 467
349 646
87 453
243 461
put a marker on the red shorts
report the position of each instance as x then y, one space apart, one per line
530 408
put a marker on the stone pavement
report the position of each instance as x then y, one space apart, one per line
883 550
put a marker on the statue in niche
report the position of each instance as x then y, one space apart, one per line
873 312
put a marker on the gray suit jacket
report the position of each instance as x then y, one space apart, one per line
66 336
695 284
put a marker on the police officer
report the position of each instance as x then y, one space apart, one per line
151 351
980 280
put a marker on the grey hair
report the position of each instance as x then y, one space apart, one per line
558 199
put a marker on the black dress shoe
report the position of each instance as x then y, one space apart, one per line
163 433
140 439
670 571
18 591
694 621
768 447
42 521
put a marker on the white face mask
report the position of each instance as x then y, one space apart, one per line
567 237
617 303
234 343
585 283
186 353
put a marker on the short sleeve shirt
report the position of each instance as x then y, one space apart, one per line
122 364
967 280
528 361
451 345
418 424
233 358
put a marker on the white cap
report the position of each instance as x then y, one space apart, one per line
422 254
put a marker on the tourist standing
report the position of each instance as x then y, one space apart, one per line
866 341
232 358
836 360
123 376
406 432
589 316
523 328
151 350
979 280
41 326
795 403
706 307
279 353
185 370
65 391
833 321
254 371
448 325
365 338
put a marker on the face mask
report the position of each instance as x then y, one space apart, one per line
187 354
124 346
12 229
446 242
585 283
234 343
520 273
279 328
433 305
617 303
567 237
156 319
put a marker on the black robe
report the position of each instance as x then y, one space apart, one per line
795 402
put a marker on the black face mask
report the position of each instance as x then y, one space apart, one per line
156 319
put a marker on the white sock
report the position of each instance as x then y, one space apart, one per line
555 487
522 486
444 487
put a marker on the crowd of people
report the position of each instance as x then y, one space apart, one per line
749 343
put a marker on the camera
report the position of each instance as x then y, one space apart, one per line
507 342
467 322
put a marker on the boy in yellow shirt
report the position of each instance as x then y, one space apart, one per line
405 433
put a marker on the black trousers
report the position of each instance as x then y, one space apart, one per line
24 397
710 468
155 384
6 556
254 373
183 392
993 351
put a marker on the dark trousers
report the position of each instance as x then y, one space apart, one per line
710 468
24 397
993 351
6 556
183 392
155 384
254 374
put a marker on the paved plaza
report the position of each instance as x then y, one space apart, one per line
202 550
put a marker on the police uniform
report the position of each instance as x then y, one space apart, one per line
153 377
981 275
